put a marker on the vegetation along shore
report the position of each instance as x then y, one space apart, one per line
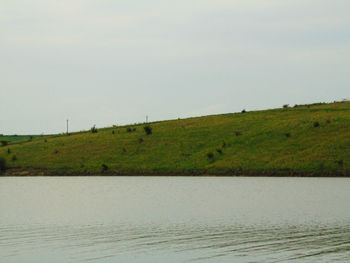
304 140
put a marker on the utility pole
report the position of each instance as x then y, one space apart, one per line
67 126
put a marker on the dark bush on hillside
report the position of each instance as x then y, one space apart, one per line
340 163
210 156
45 140
94 129
219 151
104 167
2 164
243 111
8 151
316 124
140 140
285 106
238 133
4 143
128 129
148 129
14 158
113 132
288 135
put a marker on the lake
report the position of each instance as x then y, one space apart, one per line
174 219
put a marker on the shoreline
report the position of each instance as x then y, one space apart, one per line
34 172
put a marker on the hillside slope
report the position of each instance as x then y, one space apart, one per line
310 140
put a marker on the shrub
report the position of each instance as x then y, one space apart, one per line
113 132
30 138
148 129
133 129
45 140
288 135
94 129
140 140
223 144
243 111
104 167
14 158
8 151
316 124
238 133
219 151
128 129
340 163
4 143
285 106
210 156
2 164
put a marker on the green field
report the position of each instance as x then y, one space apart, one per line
309 140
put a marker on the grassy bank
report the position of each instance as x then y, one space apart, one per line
309 140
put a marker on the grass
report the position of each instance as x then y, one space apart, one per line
283 142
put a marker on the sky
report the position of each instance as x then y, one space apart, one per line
111 62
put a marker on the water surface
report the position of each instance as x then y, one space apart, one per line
174 219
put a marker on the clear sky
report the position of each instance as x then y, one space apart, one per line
108 62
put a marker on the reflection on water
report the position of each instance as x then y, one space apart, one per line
311 229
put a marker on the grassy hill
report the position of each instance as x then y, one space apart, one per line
306 140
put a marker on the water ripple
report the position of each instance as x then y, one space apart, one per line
96 243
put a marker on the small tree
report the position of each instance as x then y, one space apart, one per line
238 133
210 156
94 129
104 167
4 142
148 129
2 164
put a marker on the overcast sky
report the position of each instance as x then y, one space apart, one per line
108 62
